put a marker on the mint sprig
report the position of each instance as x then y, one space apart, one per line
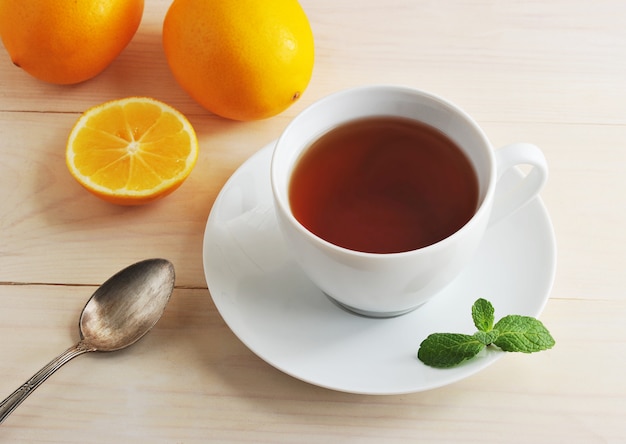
512 333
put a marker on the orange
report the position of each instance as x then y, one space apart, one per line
67 41
240 59
131 151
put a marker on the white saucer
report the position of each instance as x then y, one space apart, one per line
282 317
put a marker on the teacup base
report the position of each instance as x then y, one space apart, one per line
371 314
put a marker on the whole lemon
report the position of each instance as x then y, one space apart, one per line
67 41
240 59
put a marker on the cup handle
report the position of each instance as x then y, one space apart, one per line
508 200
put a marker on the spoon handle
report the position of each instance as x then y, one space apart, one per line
14 399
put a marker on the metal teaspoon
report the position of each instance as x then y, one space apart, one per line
117 315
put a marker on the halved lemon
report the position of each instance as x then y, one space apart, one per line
131 151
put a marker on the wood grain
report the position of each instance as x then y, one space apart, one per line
551 73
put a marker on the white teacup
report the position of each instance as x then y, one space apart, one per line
390 284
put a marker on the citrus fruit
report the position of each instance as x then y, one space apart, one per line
131 151
240 59
67 41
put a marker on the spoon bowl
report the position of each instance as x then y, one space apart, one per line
119 313
127 305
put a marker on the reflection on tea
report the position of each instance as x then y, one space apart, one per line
383 185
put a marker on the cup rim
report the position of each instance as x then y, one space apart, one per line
281 197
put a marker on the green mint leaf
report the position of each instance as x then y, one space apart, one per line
444 350
522 334
483 315
486 338
513 333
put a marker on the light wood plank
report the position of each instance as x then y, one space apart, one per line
551 73
191 380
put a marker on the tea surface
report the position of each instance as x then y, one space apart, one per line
383 185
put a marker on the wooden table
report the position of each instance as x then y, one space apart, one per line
550 72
